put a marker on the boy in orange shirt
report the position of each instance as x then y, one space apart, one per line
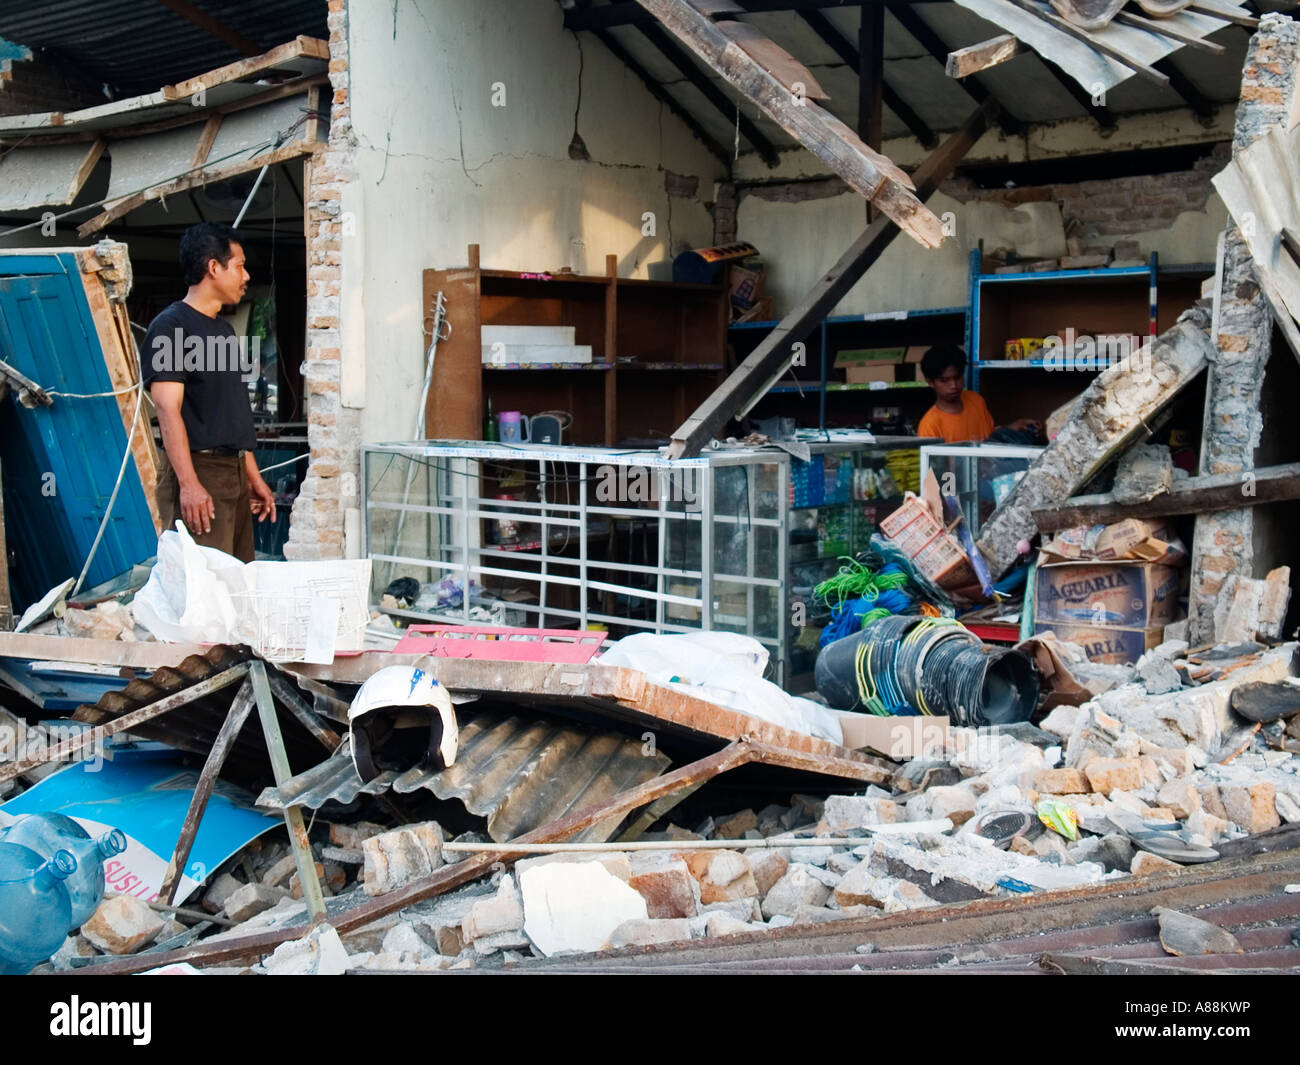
958 415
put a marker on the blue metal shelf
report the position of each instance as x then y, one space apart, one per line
822 386
978 280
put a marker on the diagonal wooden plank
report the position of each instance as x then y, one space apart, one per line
298 840
868 172
235 718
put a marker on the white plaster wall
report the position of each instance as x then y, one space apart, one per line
801 241
440 167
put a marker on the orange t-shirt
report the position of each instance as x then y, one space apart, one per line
973 423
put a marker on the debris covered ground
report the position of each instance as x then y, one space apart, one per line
1155 784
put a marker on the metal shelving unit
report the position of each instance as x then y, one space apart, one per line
838 328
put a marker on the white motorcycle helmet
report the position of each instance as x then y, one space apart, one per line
399 719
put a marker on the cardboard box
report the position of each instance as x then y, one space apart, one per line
1125 595
862 375
899 738
1106 644
934 552
1132 539
865 356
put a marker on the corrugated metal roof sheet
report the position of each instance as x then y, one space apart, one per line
518 772
137 45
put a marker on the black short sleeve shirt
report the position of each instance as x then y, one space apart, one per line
204 355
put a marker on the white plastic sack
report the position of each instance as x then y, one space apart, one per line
725 668
187 598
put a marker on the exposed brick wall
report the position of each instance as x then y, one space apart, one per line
29 86
724 212
329 488
1113 207
1223 544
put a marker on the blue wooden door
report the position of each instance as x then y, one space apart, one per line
60 462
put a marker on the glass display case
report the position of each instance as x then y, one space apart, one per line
567 537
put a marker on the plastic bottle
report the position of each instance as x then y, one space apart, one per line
35 911
46 833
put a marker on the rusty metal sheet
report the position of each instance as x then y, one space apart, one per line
520 772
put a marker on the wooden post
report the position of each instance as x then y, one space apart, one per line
235 718
311 889
611 350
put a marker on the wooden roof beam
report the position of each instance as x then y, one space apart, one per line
661 94
841 46
934 44
771 358
213 27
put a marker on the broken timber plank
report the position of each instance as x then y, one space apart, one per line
298 839
126 721
96 652
971 60
774 352
1111 414
1196 495
195 180
235 718
868 172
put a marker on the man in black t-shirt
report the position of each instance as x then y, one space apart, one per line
195 367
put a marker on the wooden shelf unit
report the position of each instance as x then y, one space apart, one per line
661 325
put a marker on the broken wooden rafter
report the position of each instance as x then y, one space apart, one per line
213 27
127 204
235 718
774 352
976 57
875 177
938 49
773 58
1195 495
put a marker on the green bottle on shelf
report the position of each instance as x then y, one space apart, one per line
490 423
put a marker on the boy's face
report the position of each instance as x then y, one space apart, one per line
948 386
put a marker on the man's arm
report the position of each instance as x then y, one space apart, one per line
261 499
197 509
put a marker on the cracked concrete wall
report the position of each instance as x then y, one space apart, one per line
453 123
1224 542
790 230
789 223
464 112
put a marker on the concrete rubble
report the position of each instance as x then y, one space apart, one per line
1145 778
